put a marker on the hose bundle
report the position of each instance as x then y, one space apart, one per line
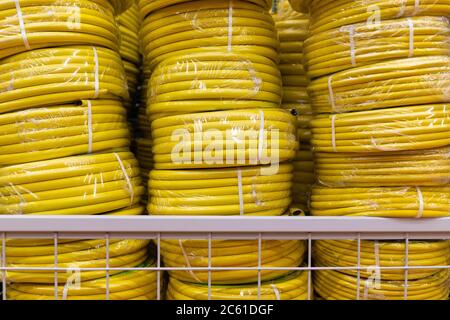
304 177
300 5
390 202
90 184
203 26
413 168
231 254
145 156
395 83
60 75
330 14
60 131
128 285
213 81
290 287
362 44
223 139
393 129
246 191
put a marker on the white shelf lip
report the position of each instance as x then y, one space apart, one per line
235 224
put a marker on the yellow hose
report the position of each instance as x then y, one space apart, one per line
379 131
60 75
413 168
240 137
290 287
396 83
246 191
204 26
304 177
389 202
231 254
300 5
362 44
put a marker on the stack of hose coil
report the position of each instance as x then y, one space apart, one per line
383 272
300 5
292 30
290 287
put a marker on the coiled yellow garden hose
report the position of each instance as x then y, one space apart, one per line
214 81
362 44
300 5
412 168
145 156
393 129
389 202
90 184
27 25
231 254
60 75
246 191
290 287
239 138
204 26
304 177
330 14
60 131
395 83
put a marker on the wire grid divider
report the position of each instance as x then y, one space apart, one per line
218 228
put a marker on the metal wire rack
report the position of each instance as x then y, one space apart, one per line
214 228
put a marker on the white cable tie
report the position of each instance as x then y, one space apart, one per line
230 25
89 123
331 93
421 203
23 31
333 132
188 263
127 177
241 194
351 33
261 136
276 292
96 74
411 38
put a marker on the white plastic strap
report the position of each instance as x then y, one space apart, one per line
276 292
351 33
23 32
333 132
127 177
188 263
411 37
421 203
331 93
241 194
261 135
89 123
401 13
230 25
96 75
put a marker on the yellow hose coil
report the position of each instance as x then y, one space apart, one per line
129 25
290 287
90 184
214 81
231 254
246 191
90 254
127 285
121 5
390 202
413 168
330 14
223 139
30 25
396 83
60 131
144 122
145 156
60 75
304 177
379 131
208 26
362 44
300 5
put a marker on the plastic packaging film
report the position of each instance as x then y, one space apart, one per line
375 282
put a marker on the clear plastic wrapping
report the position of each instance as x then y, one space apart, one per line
236 191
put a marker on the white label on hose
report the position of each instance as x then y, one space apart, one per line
241 194
331 93
22 25
411 37
421 203
96 76
261 136
333 132
127 178
230 25
276 292
351 33
89 123
188 263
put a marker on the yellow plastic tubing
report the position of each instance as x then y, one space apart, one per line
205 26
245 191
231 254
291 287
